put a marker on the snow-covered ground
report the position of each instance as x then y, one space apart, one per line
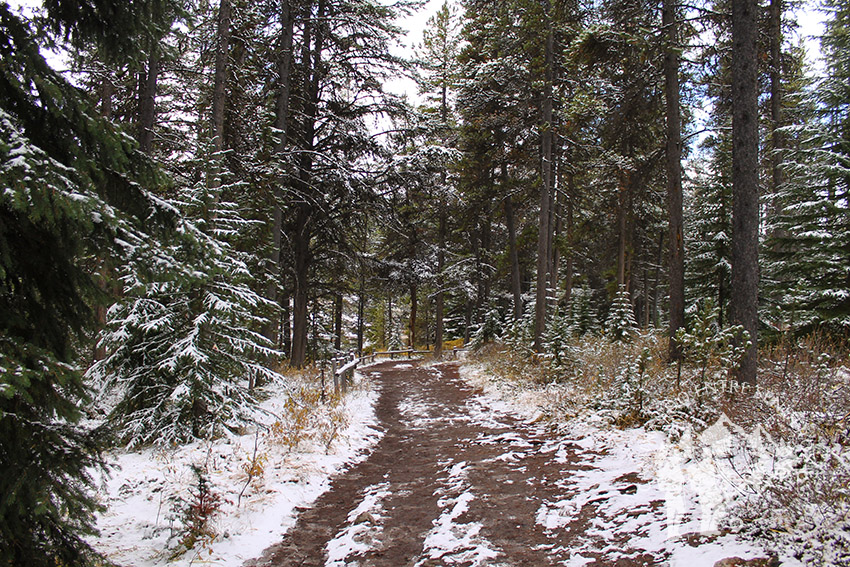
649 494
145 493
645 494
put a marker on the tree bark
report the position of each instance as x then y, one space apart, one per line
659 259
743 308
411 327
361 308
281 123
222 54
516 284
568 275
544 238
777 141
303 228
674 179
338 304
301 254
107 92
622 203
486 272
286 326
147 100
439 299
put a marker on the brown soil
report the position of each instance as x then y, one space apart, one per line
489 475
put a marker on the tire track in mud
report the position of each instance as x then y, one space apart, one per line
453 482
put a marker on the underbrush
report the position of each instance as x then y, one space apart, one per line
782 457
184 503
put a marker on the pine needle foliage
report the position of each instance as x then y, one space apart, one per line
72 194
621 325
184 348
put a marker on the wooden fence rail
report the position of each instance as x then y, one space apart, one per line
343 367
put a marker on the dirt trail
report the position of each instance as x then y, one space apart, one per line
455 482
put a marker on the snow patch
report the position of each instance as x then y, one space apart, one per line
363 525
140 526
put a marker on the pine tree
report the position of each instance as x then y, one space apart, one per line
621 325
184 347
708 265
438 58
743 305
812 226
73 192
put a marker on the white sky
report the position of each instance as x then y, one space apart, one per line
809 17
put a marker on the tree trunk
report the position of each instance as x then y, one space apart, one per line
338 304
107 92
388 328
777 141
659 259
219 98
281 123
361 308
544 238
286 326
301 249
555 227
516 289
621 230
303 228
147 100
438 300
477 238
743 308
411 327
484 299
674 180
568 275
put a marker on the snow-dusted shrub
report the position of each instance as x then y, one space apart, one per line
621 324
556 340
803 500
488 330
195 513
710 348
309 415
582 316
518 333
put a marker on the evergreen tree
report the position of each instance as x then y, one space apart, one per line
73 192
183 347
812 226
438 57
621 324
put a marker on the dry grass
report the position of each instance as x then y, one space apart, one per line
802 402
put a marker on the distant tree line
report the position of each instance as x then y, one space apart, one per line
217 189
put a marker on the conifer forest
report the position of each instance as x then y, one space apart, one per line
629 219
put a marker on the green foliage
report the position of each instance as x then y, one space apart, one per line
621 325
488 330
183 348
46 458
709 345
556 339
582 317
117 26
73 196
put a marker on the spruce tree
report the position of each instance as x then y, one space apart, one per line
812 226
72 192
184 346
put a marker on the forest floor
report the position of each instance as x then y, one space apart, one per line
460 478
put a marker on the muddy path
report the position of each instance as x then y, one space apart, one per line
456 481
